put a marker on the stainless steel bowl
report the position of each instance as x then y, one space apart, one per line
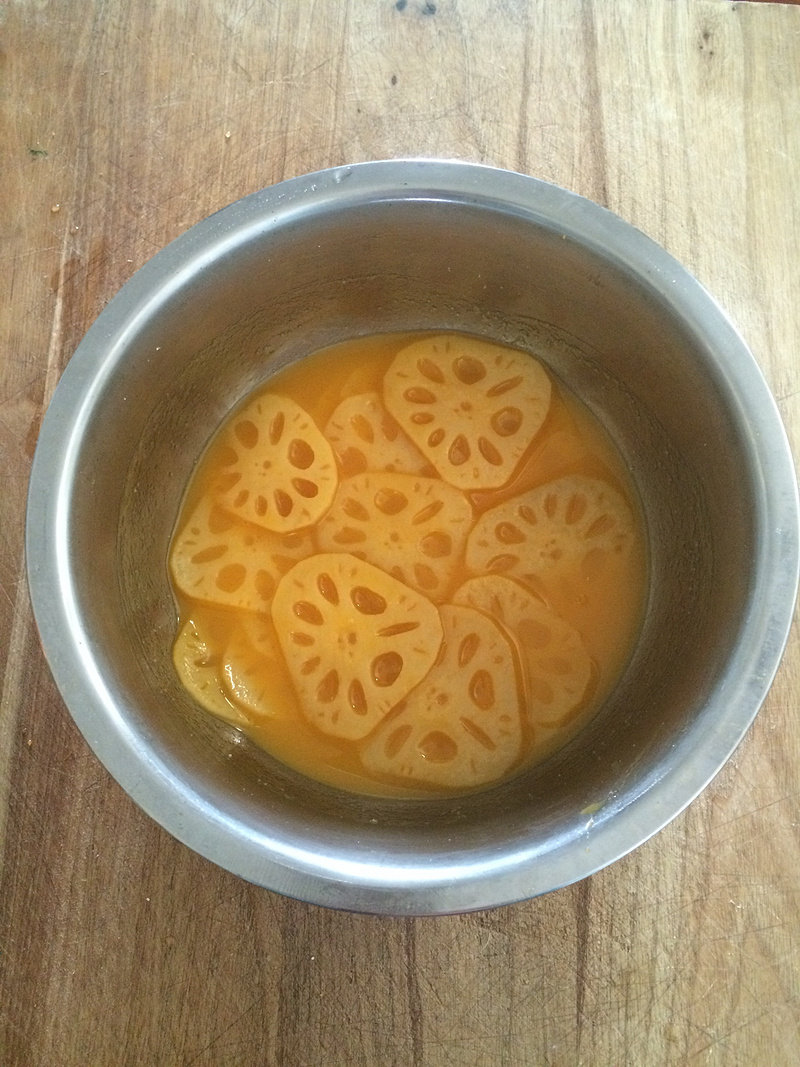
414 245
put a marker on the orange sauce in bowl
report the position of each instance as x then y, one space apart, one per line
408 564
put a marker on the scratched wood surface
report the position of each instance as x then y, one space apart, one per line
121 124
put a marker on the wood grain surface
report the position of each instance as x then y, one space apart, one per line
123 122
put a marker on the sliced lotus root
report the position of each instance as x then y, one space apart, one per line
413 527
279 470
199 671
555 665
356 640
366 437
559 529
253 665
220 560
472 408
461 726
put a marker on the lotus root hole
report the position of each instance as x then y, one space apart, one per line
227 481
481 689
417 394
349 536
506 422
300 637
265 585
353 461
231 577
208 555
576 508
305 488
327 588
282 563
300 454
362 428
389 428
354 509
328 688
489 452
504 386
438 747
459 451
501 563
602 525
283 503
357 697
425 576
398 628
390 501
367 601
430 511
246 433
276 428
437 545
310 665
386 668
308 612
430 370
467 649
468 370
479 735
508 534
227 456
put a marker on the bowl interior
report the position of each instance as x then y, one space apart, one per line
270 295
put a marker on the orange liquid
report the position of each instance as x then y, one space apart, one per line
603 604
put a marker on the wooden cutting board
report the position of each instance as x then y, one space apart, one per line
121 124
